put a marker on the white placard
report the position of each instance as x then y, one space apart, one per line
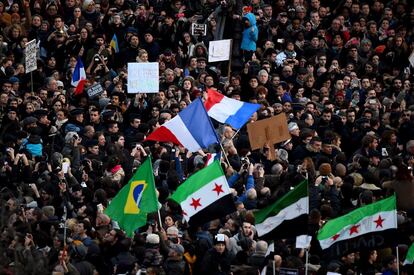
199 29
143 78
303 241
219 50
411 59
30 56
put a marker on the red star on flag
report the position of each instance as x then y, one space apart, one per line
335 237
354 229
379 221
195 203
218 189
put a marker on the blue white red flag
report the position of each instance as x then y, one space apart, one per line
227 110
78 77
191 128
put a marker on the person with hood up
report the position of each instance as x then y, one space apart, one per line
250 36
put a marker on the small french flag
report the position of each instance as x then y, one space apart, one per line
211 157
78 77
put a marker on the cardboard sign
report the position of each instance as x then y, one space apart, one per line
143 78
95 90
30 54
219 50
267 132
199 29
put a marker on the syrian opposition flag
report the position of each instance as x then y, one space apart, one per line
78 77
409 259
359 228
191 128
205 195
227 110
287 217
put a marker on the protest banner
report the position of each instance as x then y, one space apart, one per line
143 78
198 29
30 56
267 132
219 50
95 90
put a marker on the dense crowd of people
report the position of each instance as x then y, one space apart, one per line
339 70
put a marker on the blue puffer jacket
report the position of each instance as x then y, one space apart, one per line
250 37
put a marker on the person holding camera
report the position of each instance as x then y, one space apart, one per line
287 56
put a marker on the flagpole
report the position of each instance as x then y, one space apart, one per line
306 261
225 156
397 252
214 130
155 188
274 267
235 134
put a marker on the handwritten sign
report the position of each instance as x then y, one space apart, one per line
199 29
143 78
219 50
95 90
30 56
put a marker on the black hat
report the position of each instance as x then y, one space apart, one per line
114 108
219 238
302 71
91 143
374 153
11 109
40 112
134 116
201 58
297 107
29 120
76 111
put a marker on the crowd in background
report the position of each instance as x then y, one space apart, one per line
338 70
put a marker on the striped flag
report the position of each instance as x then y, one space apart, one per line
211 157
379 217
114 43
409 259
227 110
287 217
205 195
191 128
78 77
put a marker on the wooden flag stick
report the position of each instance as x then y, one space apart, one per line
224 153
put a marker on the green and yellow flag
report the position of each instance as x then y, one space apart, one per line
135 200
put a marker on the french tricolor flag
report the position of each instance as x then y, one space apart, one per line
227 110
78 77
211 157
191 128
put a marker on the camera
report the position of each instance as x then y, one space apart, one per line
324 179
96 58
245 162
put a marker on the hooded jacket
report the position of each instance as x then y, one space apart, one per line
250 34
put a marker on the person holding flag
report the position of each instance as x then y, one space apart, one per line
130 207
78 77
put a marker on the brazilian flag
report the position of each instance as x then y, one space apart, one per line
135 200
